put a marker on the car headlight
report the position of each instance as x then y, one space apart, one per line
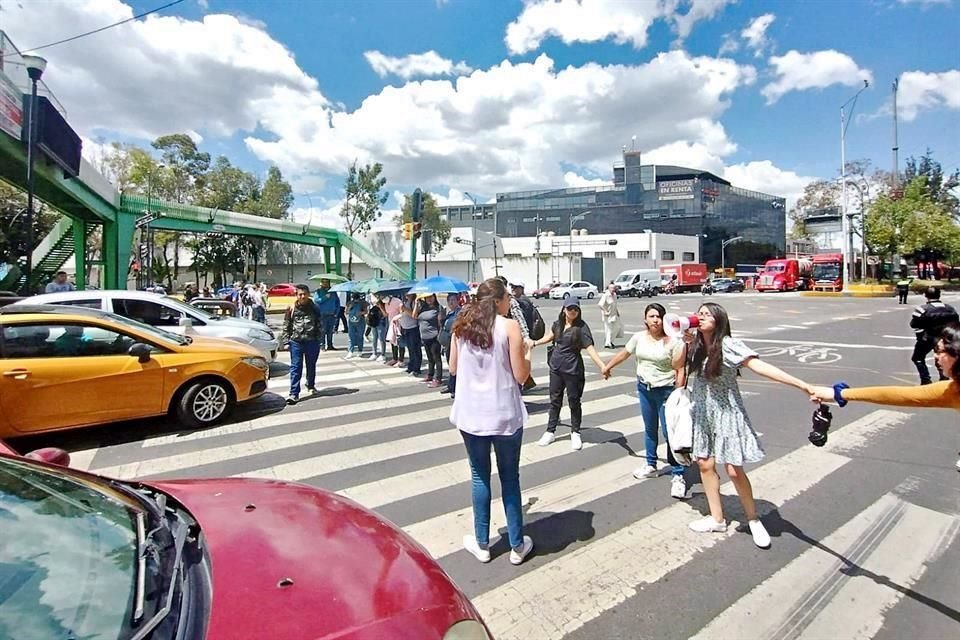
257 362
466 630
259 334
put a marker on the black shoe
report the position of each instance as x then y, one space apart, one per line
926 382
311 390
292 399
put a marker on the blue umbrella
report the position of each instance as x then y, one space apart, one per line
439 284
395 287
345 287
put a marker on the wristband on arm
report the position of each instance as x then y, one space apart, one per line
837 393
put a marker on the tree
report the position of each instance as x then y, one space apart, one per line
938 186
363 197
13 232
276 195
429 219
912 224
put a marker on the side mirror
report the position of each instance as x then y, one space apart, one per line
51 455
185 322
139 351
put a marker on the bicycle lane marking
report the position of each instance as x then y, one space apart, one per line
836 345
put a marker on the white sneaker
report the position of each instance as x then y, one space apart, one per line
470 544
646 471
547 438
708 525
760 536
348 356
379 358
678 488
576 442
517 557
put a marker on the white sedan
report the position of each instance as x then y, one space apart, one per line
578 289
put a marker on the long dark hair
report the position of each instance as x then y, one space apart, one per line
656 306
950 336
576 327
475 323
712 352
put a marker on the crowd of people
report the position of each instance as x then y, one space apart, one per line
486 342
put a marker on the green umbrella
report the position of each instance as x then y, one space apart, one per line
373 285
332 277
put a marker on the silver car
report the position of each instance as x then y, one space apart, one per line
172 314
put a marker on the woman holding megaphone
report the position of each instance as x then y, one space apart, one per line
722 433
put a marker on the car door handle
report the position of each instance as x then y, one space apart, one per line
17 374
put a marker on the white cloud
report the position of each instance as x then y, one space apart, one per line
730 44
755 34
920 91
508 127
925 3
596 20
415 65
574 179
797 71
763 176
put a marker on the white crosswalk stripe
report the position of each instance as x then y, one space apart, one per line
408 465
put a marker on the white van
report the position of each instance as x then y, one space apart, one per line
630 281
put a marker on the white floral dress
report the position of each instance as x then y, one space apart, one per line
721 428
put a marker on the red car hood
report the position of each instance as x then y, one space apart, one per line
354 575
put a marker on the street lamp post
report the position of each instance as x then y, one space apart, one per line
863 233
35 66
723 248
844 222
149 231
472 275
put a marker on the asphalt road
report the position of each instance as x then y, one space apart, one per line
865 530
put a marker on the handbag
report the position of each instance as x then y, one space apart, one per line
679 413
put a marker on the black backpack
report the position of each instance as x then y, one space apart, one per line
374 316
538 327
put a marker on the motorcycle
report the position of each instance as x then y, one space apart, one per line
706 289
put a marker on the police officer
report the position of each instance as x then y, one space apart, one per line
927 321
903 288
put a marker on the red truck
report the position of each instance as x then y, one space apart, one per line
687 276
785 274
827 272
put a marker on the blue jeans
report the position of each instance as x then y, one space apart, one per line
652 410
329 322
414 349
507 449
301 350
378 336
355 332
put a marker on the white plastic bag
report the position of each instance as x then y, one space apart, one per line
679 411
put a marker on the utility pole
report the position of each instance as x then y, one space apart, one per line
844 221
416 202
896 141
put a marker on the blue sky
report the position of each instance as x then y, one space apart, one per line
511 95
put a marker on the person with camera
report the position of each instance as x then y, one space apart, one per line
944 394
927 321
722 432
490 359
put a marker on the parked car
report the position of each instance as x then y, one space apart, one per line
68 367
219 559
578 289
726 285
161 311
544 292
283 289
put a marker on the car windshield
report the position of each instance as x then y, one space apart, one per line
154 332
826 271
188 309
776 268
625 278
68 558
566 284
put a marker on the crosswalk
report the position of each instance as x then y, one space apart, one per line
386 442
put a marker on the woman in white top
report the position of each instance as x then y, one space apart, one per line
660 361
490 360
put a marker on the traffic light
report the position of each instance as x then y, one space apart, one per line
407 230
416 204
417 229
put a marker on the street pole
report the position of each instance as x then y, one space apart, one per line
473 236
415 203
844 222
35 66
723 248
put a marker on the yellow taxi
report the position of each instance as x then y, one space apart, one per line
65 367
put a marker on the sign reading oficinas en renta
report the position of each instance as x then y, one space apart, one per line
675 190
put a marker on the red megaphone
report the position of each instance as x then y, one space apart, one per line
674 325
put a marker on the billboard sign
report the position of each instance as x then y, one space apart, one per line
675 190
11 108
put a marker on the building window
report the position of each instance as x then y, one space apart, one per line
667 255
576 254
638 255
605 254
688 256
512 256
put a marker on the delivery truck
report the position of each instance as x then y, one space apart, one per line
785 274
687 276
